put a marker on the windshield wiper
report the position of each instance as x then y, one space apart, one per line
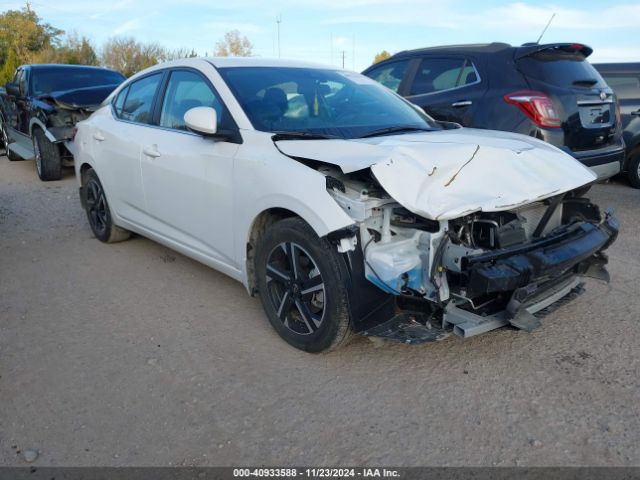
390 130
302 136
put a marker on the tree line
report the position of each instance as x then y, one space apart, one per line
26 38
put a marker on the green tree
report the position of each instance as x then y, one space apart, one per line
381 56
234 45
26 34
74 49
9 67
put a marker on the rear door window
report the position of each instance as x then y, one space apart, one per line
391 74
439 74
138 106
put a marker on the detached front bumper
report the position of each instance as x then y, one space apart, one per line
577 249
537 278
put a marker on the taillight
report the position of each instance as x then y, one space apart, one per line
537 106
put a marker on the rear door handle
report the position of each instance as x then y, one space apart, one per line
151 151
98 136
462 103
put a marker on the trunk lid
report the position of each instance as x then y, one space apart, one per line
586 103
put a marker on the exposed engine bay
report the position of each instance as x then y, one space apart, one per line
475 273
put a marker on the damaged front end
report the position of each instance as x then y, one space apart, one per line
464 275
60 118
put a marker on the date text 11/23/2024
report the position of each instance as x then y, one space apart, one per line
316 472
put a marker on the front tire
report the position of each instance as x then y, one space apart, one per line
98 211
47 157
302 287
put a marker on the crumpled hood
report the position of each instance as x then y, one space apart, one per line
81 98
447 174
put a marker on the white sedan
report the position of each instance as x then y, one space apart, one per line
343 206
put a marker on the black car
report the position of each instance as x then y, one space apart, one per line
41 105
624 78
550 92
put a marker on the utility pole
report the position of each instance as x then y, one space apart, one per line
342 58
278 21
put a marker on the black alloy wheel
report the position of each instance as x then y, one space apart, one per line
296 288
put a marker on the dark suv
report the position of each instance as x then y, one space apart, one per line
550 92
41 105
624 78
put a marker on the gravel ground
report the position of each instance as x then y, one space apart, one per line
131 354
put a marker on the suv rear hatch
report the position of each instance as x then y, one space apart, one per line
587 106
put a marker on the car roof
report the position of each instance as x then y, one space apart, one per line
621 67
222 62
470 48
42 66
490 49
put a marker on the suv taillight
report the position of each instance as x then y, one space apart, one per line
537 106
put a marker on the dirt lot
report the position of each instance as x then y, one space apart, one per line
131 354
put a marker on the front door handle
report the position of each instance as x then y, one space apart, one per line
462 103
151 151
98 136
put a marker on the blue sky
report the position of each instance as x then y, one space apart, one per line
321 30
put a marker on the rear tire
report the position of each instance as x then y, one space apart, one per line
98 211
4 141
302 286
47 157
633 170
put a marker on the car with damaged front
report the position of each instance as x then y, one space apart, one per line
41 105
345 208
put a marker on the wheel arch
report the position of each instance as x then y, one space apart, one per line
634 151
258 227
83 170
37 123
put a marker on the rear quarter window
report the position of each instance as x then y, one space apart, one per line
119 102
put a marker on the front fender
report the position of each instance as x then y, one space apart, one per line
264 179
36 122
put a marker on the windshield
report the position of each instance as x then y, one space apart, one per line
321 102
45 81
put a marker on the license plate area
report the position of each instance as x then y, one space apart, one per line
596 116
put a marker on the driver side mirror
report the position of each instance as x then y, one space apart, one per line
203 120
13 89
